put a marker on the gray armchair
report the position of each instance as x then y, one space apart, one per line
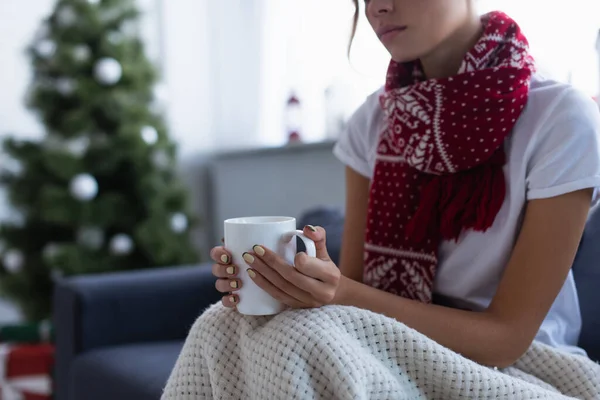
118 335
586 269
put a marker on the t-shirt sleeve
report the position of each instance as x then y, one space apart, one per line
352 147
566 154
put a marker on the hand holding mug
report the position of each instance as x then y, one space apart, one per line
227 275
310 282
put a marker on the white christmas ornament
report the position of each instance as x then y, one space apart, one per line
84 187
121 244
149 135
81 53
65 86
179 222
108 71
45 48
91 237
66 16
13 261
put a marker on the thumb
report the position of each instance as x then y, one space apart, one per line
319 236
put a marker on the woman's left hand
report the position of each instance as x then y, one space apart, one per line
313 282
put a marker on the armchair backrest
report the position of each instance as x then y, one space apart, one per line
586 270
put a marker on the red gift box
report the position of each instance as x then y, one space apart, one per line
26 371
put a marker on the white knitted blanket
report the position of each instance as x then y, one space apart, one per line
347 353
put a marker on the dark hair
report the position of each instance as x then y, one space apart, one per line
354 24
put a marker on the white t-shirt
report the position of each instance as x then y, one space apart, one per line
554 149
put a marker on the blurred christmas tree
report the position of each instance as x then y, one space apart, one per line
99 192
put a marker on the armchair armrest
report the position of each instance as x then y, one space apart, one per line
111 309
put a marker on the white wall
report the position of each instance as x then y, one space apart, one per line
306 48
18 22
211 63
305 52
186 72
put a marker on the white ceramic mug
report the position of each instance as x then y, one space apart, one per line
275 233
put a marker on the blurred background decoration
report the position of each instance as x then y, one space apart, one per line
99 190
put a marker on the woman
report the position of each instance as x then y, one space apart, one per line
469 180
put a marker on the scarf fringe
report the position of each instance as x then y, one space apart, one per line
453 203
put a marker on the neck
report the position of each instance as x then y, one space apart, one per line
445 60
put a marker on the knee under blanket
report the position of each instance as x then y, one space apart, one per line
347 353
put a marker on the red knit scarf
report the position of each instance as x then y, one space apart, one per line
440 157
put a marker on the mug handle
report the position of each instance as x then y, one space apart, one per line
311 250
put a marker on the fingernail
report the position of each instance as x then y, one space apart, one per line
251 273
233 284
225 258
232 299
312 228
248 258
230 270
259 250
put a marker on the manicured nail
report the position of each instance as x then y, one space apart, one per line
225 258
233 284
230 270
312 228
248 258
251 273
259 250
232 299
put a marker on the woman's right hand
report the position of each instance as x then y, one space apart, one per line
226 273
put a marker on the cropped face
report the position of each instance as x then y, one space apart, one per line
412 29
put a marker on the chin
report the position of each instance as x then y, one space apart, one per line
401 54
